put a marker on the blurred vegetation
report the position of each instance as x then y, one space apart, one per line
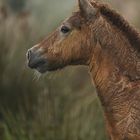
57 106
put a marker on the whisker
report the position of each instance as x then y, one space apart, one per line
37 76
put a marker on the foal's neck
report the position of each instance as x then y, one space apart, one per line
116 47
115 71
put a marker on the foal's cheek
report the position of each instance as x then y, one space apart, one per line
56 52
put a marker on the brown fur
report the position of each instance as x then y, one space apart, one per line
110 47
117 20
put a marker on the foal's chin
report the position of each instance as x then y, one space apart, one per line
44 69
41 70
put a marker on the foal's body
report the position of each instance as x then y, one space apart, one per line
100 38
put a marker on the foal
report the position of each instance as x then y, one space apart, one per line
98 37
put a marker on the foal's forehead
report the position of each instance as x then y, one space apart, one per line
66 22
73 21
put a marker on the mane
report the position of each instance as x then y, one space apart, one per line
117 20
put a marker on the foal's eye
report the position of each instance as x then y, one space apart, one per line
65 29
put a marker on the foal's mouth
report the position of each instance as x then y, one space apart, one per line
35 61
38 62
43 67
39 66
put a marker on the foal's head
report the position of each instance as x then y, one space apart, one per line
71 44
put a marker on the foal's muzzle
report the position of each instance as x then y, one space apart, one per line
35 59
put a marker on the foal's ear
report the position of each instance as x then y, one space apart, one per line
87 9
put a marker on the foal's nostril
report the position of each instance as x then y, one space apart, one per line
29 54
